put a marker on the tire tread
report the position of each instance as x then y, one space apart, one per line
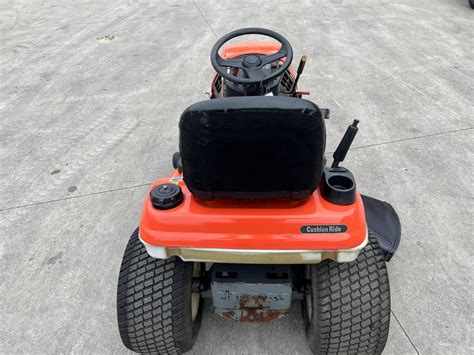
351 304
149 301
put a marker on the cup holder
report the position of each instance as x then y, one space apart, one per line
338 186
341 182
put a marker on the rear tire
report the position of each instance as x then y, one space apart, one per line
348 310
155 302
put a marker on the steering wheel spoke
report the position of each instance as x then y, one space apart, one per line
273 57
254 73
232 63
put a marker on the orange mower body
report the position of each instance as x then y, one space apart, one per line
254 218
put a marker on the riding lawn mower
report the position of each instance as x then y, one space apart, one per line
253 218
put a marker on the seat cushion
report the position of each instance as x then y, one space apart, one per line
259 147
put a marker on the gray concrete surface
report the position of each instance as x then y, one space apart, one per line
90 97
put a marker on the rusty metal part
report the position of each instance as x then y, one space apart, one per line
253 315
301 93
257 293
253 309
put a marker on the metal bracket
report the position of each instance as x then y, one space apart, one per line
251 293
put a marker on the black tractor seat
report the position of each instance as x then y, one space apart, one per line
252 147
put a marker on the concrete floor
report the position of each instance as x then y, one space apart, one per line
90 98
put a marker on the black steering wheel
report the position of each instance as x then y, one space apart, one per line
251 64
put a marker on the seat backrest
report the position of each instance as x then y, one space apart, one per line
253 147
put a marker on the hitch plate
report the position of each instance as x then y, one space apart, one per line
251 293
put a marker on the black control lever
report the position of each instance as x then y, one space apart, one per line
299 71
345 144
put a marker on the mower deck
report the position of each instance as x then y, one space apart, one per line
262 232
